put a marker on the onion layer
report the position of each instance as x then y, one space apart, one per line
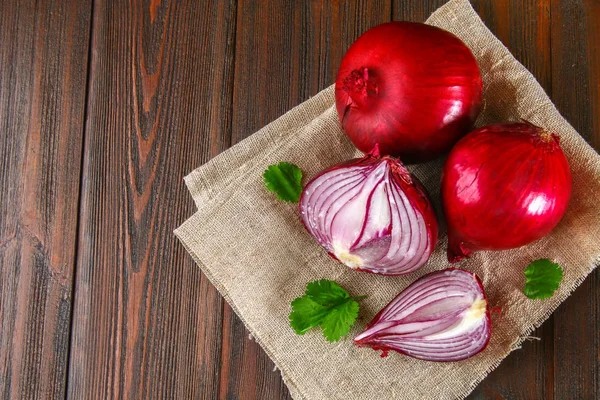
371 214
442 316
411 88
503 186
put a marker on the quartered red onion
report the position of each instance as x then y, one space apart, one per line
503 186
371 214
442 316
411 88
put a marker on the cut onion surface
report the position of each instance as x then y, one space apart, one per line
371 214
443 316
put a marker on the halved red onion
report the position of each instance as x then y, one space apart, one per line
371 214
443 316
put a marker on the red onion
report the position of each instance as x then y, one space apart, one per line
411 88
371 214
503 186
442 316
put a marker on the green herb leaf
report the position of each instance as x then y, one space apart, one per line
542 278
306 314
284 179
325 292
338 322
325 304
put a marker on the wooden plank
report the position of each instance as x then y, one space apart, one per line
415 11
524 27
285 52
576 93
43 71
146 322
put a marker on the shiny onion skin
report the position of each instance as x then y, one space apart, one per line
371 214
503 186
411 88
443 316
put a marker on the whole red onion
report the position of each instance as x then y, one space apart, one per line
503 186
371 214
443 316
411 88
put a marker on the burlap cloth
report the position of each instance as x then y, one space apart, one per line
254 249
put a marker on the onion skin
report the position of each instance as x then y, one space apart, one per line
411 88
371 214
443 316
503 186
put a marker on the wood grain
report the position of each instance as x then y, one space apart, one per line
415 11
146 322
576 93
43 66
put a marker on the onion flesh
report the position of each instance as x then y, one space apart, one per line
411 88
503 186
443 316
371 214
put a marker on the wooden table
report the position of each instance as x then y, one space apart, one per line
105 106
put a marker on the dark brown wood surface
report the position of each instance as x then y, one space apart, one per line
106 105
43 68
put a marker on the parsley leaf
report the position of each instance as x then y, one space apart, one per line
284 179
306 314
325 304
338 322
325 292
542 278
